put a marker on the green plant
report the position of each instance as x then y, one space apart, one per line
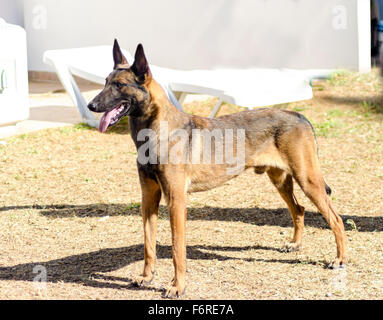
323 128
352 224
300 108
335 113
133 205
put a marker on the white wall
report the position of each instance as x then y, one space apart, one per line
207 33
12 11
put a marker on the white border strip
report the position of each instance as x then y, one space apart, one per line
364 35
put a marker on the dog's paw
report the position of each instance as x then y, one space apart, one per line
338 263
174 292
142 280
292 246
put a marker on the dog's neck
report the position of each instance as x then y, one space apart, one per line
160 109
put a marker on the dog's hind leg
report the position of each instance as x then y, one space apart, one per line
284 184
307 174
151 196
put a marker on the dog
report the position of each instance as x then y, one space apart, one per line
280 143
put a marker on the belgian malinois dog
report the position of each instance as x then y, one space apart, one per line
279 143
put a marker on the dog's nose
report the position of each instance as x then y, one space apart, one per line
92 106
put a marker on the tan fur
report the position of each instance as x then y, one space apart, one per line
280 143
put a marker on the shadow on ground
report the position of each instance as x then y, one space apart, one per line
369 104
85 268
256 216
88 268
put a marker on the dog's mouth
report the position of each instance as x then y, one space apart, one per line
111 117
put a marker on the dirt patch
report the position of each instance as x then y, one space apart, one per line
70 205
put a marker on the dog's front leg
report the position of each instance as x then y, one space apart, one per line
151 196
177 213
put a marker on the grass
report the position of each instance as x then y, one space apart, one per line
370 108
300 108
70 201
326 127
133 205
335 113
351 223
341 78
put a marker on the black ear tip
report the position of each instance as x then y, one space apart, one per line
140 48
140 54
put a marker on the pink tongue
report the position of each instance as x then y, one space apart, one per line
105 119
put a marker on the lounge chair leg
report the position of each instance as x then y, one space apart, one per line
182 98
74 92
173 99
216 108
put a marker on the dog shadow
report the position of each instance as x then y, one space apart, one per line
87 268
256 215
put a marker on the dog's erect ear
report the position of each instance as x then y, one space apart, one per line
118 57
140 66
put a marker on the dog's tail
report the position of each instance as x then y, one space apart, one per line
328 189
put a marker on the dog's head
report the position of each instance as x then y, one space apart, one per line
126 90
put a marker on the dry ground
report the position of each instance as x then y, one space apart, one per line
70 202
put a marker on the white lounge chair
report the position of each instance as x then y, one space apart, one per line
245 87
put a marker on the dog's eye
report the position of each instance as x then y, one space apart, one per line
118 85
139 79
